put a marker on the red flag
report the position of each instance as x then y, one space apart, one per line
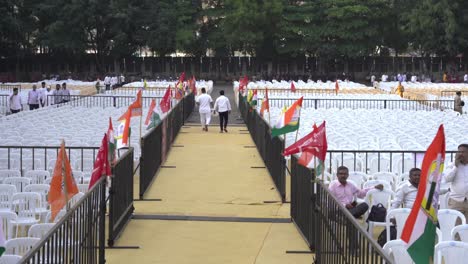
165 103
265 103
135 108
101 164
193 85
337 87
63 185
293 87
315 143
243 83
150 112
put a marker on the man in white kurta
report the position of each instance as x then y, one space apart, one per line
458 177
204 101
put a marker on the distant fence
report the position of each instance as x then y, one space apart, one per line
121 196
452 93
9 87
270 149
299 92
133 90
79 237
4 104
326 225
319 103
156 144
98 100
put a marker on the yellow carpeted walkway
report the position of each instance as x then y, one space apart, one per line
213 178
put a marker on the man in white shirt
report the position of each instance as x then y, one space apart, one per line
204 101
224 108
458 177
33 98
65 93
407 191
15 102
57 95
42 94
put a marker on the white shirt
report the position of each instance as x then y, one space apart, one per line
48 99
458 176
42 94
33 97
223 104
204 100
405 196
15 102
465 78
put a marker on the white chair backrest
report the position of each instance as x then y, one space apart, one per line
37 176
6 193
451 252
18 182
39 230
386 176
59 216
396 249
42 189
7 217
375 196
10 259
20 246
448 220
358 177
462 231
75 199
443 201
400 215
372 183
9 173
83 188
26 204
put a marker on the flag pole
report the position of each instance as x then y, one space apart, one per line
64 177
141 118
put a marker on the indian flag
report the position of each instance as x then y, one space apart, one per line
253 99
111 139
2 239
156 117
420 229
288 120
123 131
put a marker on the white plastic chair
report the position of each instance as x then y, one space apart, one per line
6 193
74 200
10 259
400 215
358 177
372 183
59 216
39 230
83 188
386 176
9 173
449 252
37 176
448 220
25 204
43 191
374 197
7 219
462 231
18 182
396 249
20 246
443 201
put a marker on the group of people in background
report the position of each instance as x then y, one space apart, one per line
39 97
221 106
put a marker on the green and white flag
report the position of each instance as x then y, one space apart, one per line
111 139
288 121
156 117
2 239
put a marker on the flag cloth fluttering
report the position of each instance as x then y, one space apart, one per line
165 102
312 145
193 85
243 84
101 164
135 108
63 185
419 231
253 99
150 112
123 131
288 121
337 87
179 87
159 112
265 104
293 87
111 139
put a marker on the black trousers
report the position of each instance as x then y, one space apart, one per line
353 234
223 119
33 106
15 111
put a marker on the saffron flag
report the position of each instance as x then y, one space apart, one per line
293 87
150 111
63 185
419 231
111 141
337 87
265 104
123 131
165 102
193 85
179 87
135 108
2 239
101 164
288 121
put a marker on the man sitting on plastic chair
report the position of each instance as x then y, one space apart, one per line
407 191
346 192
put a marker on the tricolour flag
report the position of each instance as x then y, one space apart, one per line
2 239
293 87
63 185
265 104
288 121
101 164
123 131
165 102
254 99
419 231
111 140
150 111
179 87
135 108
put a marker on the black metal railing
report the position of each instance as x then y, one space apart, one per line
79 237
372 161
99 100
322 103
133 90
452 93
270 149
339 237
9 87
299 92
121 196
155 145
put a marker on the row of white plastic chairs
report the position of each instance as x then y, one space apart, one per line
39 176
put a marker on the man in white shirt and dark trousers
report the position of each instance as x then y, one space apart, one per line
15 102
33 98
42 94
224 108
407 191
204 101
458 176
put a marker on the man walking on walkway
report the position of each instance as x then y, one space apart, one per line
204 101
223 107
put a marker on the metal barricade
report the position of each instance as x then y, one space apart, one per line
79 237
99 101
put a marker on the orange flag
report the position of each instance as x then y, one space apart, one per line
135 108
293 87
150 112
265 104
63 185
337 87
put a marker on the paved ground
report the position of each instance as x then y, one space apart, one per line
214 208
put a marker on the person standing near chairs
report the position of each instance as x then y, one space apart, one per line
57 95
223 107
15 102
458 177
458 103
400 89
204 102
65 93
42 94
33 98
